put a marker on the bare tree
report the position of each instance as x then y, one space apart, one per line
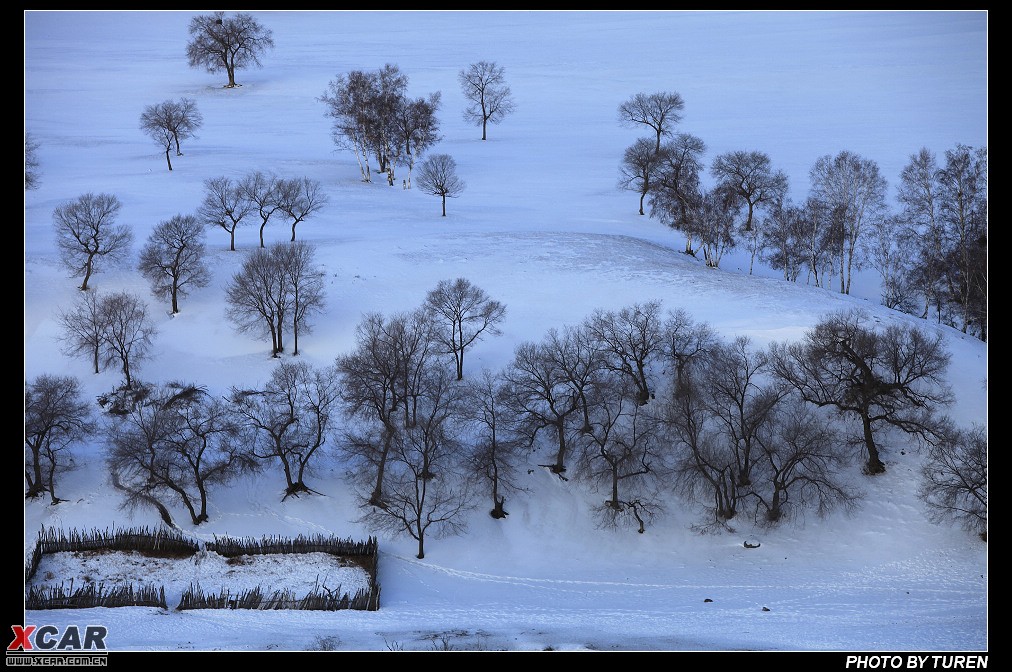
349 103
174 446
173 258
424 490
894 377
750 174
489 97
290 419
259 295
892 251
639 163
686 345
304 282
32 172
226 204
659 111
920 205
712 223
630 339
418 128
261 189
464 313
676 192
83 328
495 454
227 43
954 485
783 237
299 198
853 190
438 176
56 418
170 121
622 453
86 233
802 458
128 333
382 381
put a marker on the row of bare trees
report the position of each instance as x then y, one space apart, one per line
931 256
633 402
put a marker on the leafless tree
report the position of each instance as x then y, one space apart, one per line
489 97
802 458
622 453
463 313
640 163
174 447
32 172
170 121
954 485
304 282
852 188
56 418
261 189
438 176
920 204
425 492
743 399
676 192
686 344
630 339
783 237
418 128
299 198
83 329
893 377
659 111
128 333
290 419
712 223
892 251
496 451
225 205
227 43
751 175
86 232
349 103
382 381
172 260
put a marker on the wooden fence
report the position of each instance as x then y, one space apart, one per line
255 598
94 595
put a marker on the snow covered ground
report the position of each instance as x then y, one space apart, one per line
543 228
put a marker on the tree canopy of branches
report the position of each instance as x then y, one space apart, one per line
676 192
424 492
289 419
438 176
751 176
659 111
893 377
225 205
172 260
373 115
496 449
954 479
489 99
640 163
32 171
299 198
275 285
463 312
261 189
128 332
227 43
56 418
86 232
630 339
169 122
172 447
852 190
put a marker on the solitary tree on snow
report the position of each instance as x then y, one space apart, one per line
438 176
489 97
229 43
86 232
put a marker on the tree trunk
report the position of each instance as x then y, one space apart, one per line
444 200
167 159
560 457
484 125
175 136
875 465
232 243
175 293
87 276
643 194
262 226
